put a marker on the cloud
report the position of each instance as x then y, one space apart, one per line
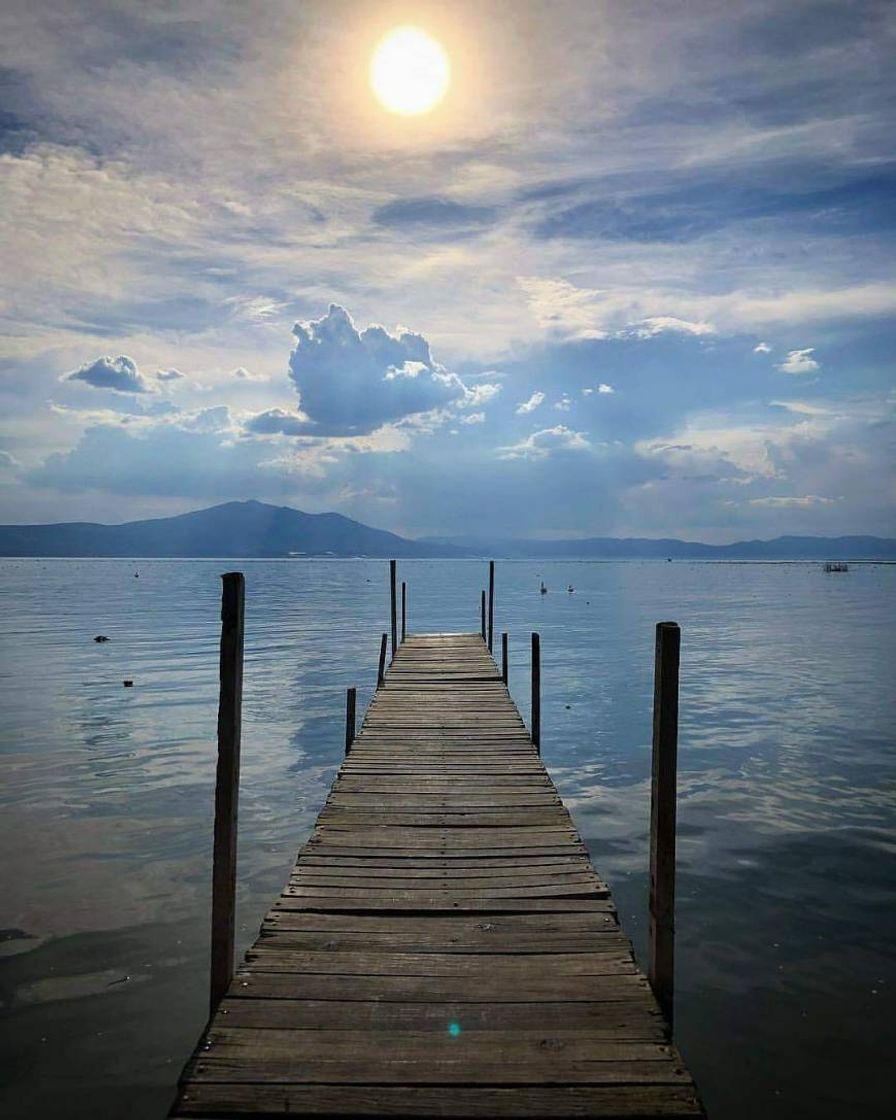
242 374
762 348
544 443
799 361
531 404
807 501
602 388
563 404
474 418
479 394
119 374
656 324
277 421
170 375
351 382
8 464
438 212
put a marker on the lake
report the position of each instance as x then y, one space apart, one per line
787 799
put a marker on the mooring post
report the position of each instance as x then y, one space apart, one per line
381 669
227 784
392 607
504 657
491 603
482 623
661 939
351 696
404 610
536 692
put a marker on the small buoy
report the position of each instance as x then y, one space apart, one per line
128 684
568 706
136 575
101 638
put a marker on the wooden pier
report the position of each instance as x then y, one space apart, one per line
443 947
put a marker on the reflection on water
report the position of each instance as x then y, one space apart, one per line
786 802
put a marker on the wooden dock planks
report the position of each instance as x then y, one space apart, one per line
443 946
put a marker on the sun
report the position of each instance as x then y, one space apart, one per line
409 71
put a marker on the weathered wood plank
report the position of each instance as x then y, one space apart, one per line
620 1102
443 946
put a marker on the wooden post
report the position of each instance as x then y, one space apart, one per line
661 937
491 603
504 662
536 692
227 784
381 669
482 624
392 606
351 696
404 610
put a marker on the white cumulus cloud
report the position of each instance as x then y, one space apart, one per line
762 348
545 442
351 382
799 361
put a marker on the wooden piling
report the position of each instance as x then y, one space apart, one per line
661 937
392 607
536 692
404 610
351 698
482 622
381 669
227 781
504 659
491 603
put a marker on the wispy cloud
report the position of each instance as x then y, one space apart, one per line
806 501
531 404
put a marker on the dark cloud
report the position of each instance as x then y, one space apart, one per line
681 213
165 459
438 212
119 374
277 421
351 382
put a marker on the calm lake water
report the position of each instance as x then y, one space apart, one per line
787 801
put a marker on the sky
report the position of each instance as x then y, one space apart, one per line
633 276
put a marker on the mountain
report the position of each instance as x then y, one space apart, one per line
243 529
645 548
248 529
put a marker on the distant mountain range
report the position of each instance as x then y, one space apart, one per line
246 529
648 548
254 529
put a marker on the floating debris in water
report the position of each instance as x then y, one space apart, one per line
128 684
101 638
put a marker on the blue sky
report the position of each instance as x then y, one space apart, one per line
634 276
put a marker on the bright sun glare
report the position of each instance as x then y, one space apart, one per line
409 71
